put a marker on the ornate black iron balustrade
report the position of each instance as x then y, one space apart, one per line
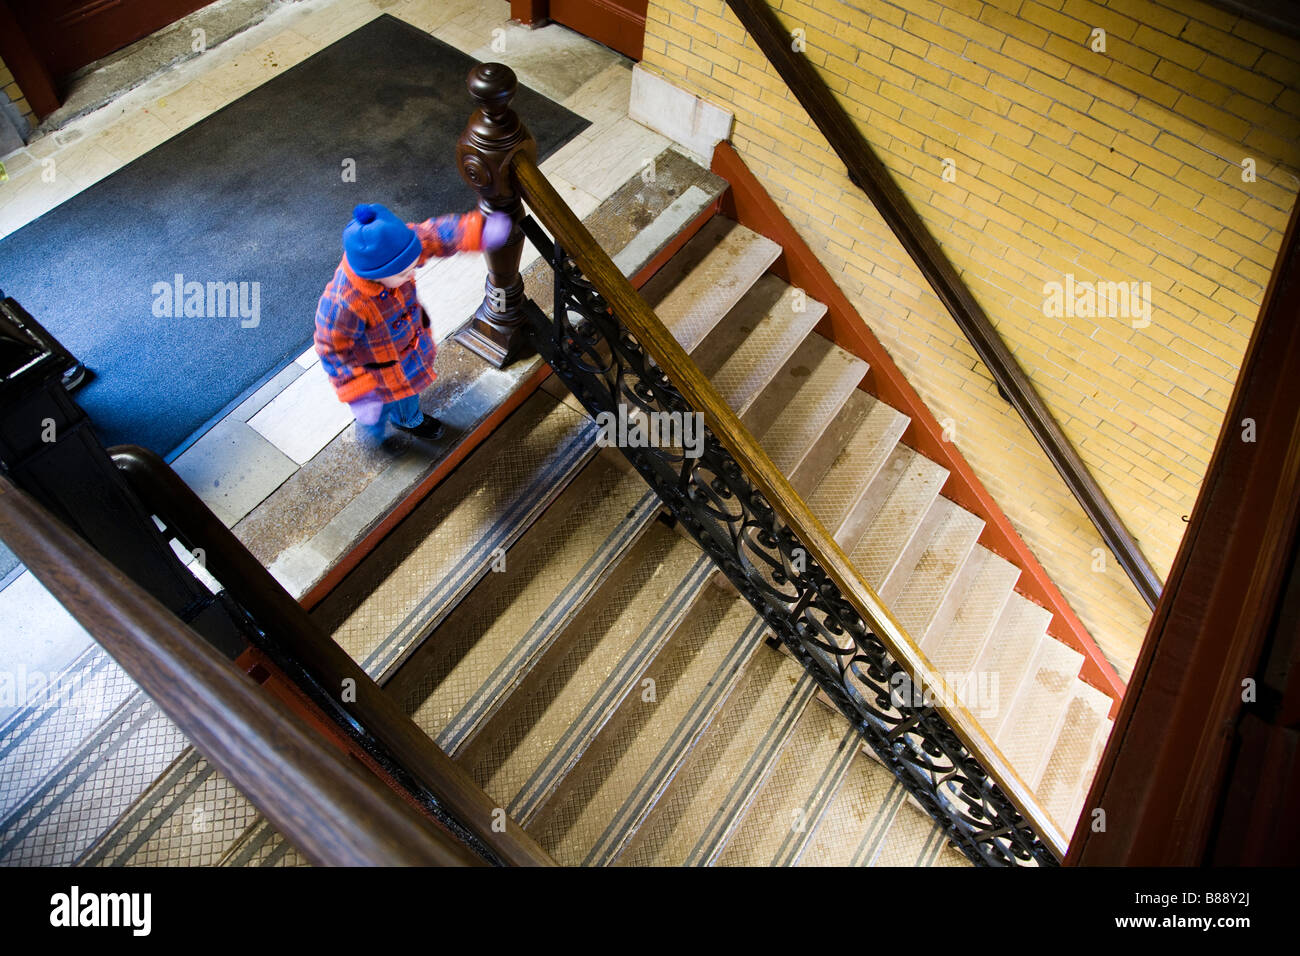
604 365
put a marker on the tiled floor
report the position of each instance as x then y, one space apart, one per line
294 423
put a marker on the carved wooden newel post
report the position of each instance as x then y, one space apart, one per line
490 141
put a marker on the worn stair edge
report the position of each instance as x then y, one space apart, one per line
190 816
1006 657
1035 716
707 277
487 700
797 406
858 444
893 536
618 684
938 570
1064 772
92 787
788 808
752 342
690 822
1090 769
453 684
352 612
746 787
659 775
261 845
40 738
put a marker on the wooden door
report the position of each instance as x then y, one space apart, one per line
68 34
619 24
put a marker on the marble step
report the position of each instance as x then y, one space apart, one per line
191 815
707 278
861 821
1004 661
975 607
607 798
543 729
899 500
799 404
43 737
398 595
1033 721
755 339
1077 805
847 459
264 846
1069 768
59 809
938 571
455 683
913 840
789 806
707 799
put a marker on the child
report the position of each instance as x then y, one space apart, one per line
371 334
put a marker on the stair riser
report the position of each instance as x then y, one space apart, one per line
714 840
414 630
525 807
625 825
483 706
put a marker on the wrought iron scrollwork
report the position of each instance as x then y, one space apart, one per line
606 368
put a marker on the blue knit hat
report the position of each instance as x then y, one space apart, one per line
377 243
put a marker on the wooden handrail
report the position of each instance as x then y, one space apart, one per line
870 175
326 805
554 213
293 630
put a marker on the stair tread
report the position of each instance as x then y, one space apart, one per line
955 647
92 787
547 724
707 277
489 642
1009 652
41 736
915 839
262 845
716 782
191 815
937 569
858 443
877 552
1089 772
849 833
1031 726
755 339
607 797
791 801
1066 771
803 399
386 607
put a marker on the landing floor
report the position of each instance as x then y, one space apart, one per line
284 469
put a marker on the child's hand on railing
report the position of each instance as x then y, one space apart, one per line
496 231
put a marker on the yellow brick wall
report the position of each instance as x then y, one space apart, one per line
1123 165
10 86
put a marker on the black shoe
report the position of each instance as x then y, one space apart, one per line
430 429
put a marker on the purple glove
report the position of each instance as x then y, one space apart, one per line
496 231
366 410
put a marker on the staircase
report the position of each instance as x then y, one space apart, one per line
543 621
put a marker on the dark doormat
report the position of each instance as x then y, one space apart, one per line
250 202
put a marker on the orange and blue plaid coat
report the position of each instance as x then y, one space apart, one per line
377 340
